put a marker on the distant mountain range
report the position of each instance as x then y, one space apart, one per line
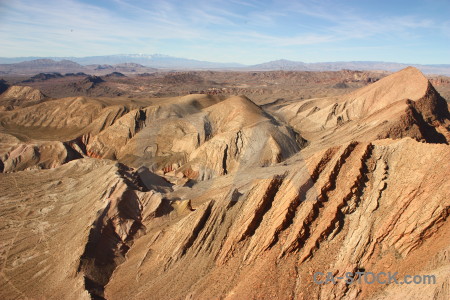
45 65
164 62
443 69
153 60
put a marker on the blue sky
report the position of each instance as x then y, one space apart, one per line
244 31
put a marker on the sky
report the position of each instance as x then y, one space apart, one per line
242 31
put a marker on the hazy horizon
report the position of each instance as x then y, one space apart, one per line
59 58
236 31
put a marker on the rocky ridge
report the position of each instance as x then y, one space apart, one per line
222 199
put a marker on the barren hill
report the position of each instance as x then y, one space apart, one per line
216 197
403 104
20 96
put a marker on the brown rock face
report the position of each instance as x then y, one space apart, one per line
20 96
39 156
215 198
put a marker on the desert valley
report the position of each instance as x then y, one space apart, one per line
222 184
224 150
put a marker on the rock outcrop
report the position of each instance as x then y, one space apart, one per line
351 208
